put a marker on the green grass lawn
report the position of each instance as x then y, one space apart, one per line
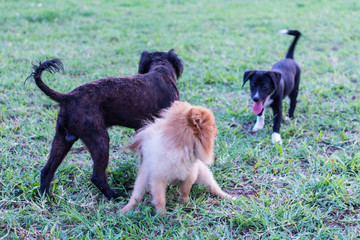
308 188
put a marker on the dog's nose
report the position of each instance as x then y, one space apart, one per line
256 98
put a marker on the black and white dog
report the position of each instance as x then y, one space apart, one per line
269 88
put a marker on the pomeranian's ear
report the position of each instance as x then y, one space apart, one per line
195 120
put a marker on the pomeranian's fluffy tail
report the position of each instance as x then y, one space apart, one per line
135 146
297 34
183 126
51 66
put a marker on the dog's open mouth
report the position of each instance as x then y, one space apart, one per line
258 107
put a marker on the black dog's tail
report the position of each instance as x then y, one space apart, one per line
297 34
52 66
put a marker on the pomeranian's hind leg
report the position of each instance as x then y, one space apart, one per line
185 186
158 193
206 178
139 189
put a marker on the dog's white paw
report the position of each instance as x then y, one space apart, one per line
287 119
276 138
260 122
257 128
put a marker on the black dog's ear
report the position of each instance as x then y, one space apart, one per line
176 62
275 77
145 61
247 75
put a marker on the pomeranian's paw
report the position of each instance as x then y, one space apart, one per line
184 199
126 209
230 198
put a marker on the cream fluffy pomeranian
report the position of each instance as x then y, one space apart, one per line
178 146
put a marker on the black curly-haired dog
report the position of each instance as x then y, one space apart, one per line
87 111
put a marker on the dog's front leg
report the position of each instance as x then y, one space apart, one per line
98 146
260 121
277 111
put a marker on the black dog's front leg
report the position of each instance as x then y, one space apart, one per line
277 111
98 146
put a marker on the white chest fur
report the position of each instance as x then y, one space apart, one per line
268 101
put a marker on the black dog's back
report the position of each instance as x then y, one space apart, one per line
125 101
289 70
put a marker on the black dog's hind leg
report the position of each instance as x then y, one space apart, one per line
97 142
59 149
293 95
70 137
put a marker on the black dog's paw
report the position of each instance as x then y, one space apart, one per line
46 196
118 196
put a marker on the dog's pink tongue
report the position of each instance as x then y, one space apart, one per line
257 107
